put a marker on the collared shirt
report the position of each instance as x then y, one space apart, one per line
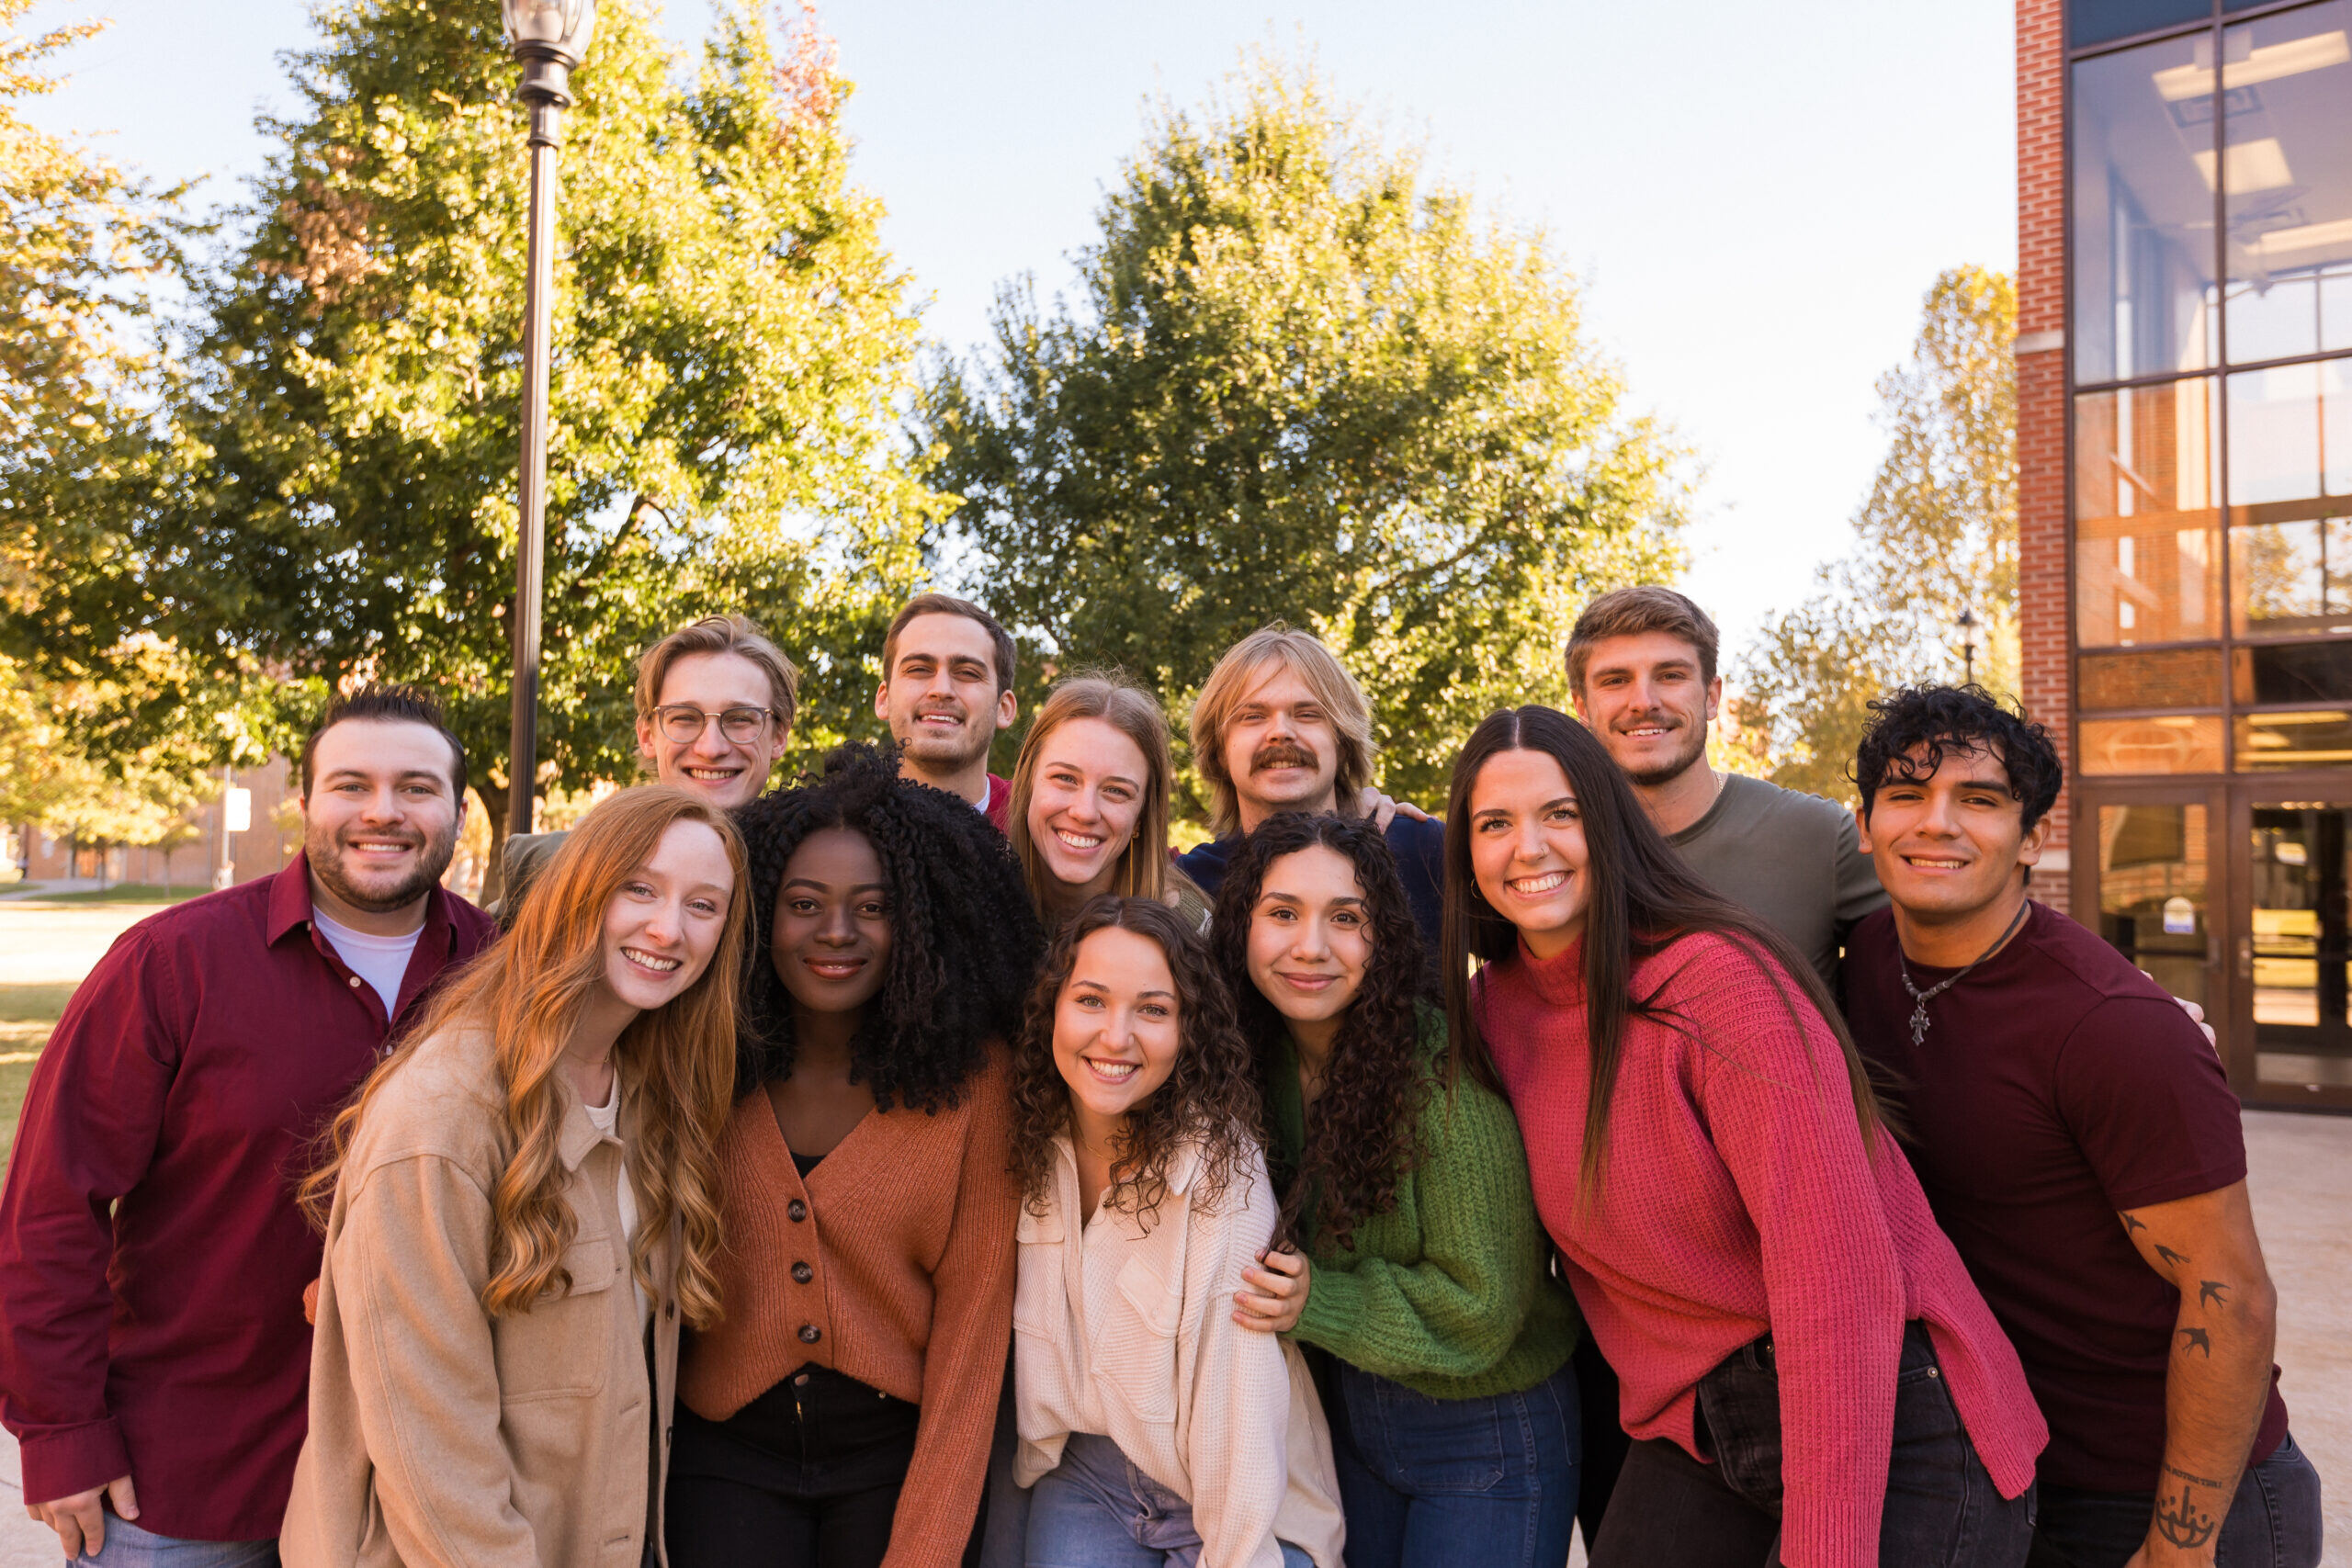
184 1088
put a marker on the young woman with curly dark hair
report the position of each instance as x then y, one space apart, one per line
867 1281
1452 1402
1154 1428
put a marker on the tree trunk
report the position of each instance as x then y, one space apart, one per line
493 799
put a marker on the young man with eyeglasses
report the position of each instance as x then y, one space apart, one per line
715 702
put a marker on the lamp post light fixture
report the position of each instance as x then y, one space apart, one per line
1968 624
550 39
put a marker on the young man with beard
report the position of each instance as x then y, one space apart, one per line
946 690
154 1355
1281 725
2079 1143
1642 669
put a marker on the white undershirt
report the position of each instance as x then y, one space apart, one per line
381 961
607 1118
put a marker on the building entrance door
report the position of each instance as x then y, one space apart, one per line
2294 948
2157 898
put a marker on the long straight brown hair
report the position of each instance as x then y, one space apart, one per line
1640 898
677 1063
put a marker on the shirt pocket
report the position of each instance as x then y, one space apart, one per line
1138 1355
561 1349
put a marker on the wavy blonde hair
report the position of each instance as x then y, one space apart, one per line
1143 870
1238 673
677 1062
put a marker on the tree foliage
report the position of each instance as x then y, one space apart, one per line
729 336
1937 537
1303 378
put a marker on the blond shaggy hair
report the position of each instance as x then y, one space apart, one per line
1238 674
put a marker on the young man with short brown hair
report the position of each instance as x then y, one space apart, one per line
947 668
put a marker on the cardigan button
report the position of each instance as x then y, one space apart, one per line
811 1334
796 1210
802 1273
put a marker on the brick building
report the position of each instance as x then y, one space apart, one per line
2185 501
270 838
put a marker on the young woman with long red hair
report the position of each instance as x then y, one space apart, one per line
520 1208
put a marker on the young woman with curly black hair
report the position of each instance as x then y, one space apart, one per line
867 1281
1154 1429
1443 1348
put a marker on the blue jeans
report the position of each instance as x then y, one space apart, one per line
1095 1509
127 1546
2274 1521
1428 1482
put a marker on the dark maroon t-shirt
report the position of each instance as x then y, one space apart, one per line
2057 1085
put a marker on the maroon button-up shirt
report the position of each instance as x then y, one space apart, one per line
184 1088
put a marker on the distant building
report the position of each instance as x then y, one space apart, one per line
271 837
2185 424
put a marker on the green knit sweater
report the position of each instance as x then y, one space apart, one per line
1449 1293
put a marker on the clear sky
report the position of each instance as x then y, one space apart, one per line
1755 197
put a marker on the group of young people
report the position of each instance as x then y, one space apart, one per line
911 1166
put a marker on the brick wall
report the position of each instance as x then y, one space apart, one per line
2041 402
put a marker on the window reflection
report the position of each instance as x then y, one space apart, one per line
2151 883
2286 107
2170 743
2290 433
2144 166
2272 743
2293 579
2147 556
2292 672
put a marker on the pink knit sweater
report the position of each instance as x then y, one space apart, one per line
1738 1199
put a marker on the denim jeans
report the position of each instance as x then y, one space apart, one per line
127 1546
1095 1509
2274 1521
1942 1507
1432 1482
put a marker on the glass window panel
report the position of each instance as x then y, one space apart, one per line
2291 579
2267 742
2177 678
2290 433
2151 892
2335 308
2286 171
2292 672
2172 743
2147 546
2101 22
2142 240
2300 944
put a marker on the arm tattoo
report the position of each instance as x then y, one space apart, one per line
2198 1480
2183 1523
2134 1222
2196 1338
2169 1256
2213 1291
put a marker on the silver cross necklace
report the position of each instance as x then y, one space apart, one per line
1919 998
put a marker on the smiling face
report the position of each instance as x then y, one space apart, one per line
665 922
940 696
832 946
1310 936
1950 843
1646 700
1527 849
1280 748
1117 1027
380 821
726 772
1085 799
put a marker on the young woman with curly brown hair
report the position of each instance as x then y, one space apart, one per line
1442 1347
868 1271
1154 1429
522 1206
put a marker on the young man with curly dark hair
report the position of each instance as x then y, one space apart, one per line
1427 1288
867 1206
2078 1141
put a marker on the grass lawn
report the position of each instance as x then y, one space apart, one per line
123 893
27 1015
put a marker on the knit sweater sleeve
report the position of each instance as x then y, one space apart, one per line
1457 1304
1236 1383
1775 1093
971 1327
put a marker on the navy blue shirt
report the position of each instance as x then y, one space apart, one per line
1419 847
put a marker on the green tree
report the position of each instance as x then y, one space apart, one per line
1938 536
730 343
1303 378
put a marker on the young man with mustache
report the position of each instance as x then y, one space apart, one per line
946 690
2079 1143
153 1359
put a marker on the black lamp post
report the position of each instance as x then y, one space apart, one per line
1968 624
550 39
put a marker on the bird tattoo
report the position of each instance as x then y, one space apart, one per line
2196 1338
2211 1293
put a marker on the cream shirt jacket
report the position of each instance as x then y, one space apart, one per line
1127 1332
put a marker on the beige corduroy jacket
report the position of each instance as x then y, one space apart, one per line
442 1435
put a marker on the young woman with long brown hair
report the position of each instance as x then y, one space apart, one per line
1803 1357
1440 1344
520 1208
1154 1428
1090 801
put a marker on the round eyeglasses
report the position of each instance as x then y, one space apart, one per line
683 724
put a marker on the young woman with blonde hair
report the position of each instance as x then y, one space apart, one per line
520 1207
1090 801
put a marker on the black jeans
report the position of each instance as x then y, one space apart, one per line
2274 1521
1941 1508
805 1476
